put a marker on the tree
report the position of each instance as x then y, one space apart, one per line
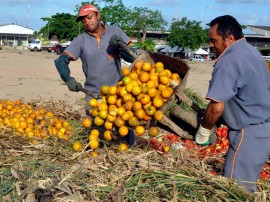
143 19
62 25
187 34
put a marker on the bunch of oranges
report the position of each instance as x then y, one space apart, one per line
33 123
133 101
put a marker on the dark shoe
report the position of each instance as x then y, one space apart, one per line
130 138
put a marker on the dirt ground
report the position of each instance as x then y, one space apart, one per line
32 75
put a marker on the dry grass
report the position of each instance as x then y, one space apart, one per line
52 170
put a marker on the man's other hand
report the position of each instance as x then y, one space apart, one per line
205 136
115 40
73 85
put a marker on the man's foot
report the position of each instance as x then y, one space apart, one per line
130 138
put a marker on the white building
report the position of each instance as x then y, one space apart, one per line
14 35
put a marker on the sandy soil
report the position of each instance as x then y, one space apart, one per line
32 75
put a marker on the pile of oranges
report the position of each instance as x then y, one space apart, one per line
132 102
33 123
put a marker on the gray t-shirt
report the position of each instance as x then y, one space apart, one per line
100 61
241 80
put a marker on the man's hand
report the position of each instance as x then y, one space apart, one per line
73 85
115 40
205 136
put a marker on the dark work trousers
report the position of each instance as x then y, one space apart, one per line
248 152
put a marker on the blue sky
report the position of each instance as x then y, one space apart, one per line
247 12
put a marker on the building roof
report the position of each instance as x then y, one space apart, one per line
15 29
261 27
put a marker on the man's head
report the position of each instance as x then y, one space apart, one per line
224 31
90 17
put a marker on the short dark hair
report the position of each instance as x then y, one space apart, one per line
227 25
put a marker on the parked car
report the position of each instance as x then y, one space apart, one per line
61 50
35 45
196 58
54 48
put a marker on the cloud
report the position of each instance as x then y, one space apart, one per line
243 1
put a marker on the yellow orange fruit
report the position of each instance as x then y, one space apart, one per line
93 102
153 131
104 90
87 122
112 90
166 93
138 64
146 66
125 71
77 146
159 115
133 121
139 130
123 131
122 147
108 125
98 121
144 77
158 102
118 122
133 76
107 135
93 144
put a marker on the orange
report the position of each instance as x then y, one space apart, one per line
129 87
107 135
175 76
164 80
103 114
110 118
136 106
112 90
139 130
112 99
120 111
122 147
128 105
102 106
49 114
94 154
133 121
150 111
87 122
93 144
104 90
152 92
166 149
140 114
93 102
158 115
145 99
98 121
146 66
159 65
144 77
153 76
127 97
158 102
125 71
95 132
138 64
126 80
123 131
125 116
151 84
147 118
94 112
168 72
153 131
77 146
92 136
133 76
108 125
118 122
136 90
166 93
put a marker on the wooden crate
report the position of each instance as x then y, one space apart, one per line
175 66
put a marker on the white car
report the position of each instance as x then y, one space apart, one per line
197 58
